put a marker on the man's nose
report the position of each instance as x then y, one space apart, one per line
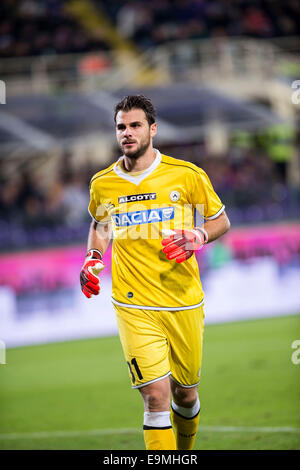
127 131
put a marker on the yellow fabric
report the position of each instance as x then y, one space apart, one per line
159 439
156 343
185 430
141 273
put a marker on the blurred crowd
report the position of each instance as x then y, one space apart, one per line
252 186
25 200
152 23
36 214
37 27
248 182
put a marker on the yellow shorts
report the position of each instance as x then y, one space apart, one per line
161 343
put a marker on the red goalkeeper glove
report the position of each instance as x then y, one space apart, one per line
89 281
182 243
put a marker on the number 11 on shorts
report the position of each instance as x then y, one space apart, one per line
137 369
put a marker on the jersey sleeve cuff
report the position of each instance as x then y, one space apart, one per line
100 222
211 217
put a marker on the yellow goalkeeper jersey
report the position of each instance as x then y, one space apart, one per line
143 209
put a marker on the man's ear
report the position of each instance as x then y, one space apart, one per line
153 129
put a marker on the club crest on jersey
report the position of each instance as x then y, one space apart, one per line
137 197
175 196
143 217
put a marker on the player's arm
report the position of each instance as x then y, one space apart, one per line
215 228
99 237
183 243
98 241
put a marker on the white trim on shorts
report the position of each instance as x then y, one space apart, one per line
152 381
143 307
184 386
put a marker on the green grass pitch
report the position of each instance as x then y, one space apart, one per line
77 395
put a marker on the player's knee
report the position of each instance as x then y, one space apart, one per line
185 397
155 401
156 398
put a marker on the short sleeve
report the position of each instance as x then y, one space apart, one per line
203 196
97 210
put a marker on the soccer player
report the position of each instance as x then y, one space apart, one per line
148 201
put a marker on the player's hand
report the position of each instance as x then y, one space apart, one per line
89 280
182 243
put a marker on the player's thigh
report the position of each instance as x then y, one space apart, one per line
144 344
185 335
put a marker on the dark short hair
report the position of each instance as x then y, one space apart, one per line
136 102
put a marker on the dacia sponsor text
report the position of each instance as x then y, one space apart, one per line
147 216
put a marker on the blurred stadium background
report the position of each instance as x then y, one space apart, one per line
223 77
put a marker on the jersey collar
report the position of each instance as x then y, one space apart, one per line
137 179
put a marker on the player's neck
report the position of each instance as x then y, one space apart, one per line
140 164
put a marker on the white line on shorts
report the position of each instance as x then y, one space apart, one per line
106 432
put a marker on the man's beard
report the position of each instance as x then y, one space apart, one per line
139 152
